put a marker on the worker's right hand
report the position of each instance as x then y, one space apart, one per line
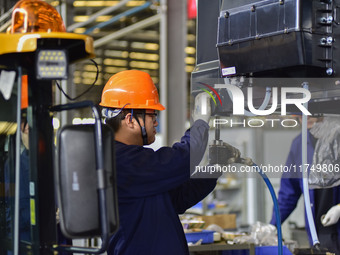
202 108
332 216
233 154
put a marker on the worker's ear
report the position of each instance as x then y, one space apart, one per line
129 120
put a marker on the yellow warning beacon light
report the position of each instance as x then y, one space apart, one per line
38 32
32 16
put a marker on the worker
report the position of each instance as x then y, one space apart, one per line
24 211
24 214
153 186
291 188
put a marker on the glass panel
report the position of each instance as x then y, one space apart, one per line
8 127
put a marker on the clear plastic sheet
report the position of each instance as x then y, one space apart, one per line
262 234
325 170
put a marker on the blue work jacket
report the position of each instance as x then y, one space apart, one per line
24 211
291 186
153 188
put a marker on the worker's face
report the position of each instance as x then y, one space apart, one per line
24 134
150 125
311 121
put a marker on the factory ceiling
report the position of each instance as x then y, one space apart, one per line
126 36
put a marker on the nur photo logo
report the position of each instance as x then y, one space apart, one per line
213 90
301 96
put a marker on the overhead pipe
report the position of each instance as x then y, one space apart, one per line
124 31
6 14
97 14
5 26
118 17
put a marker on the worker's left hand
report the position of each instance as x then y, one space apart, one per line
332 216
202 108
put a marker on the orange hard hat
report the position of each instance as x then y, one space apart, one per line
31 16
131 89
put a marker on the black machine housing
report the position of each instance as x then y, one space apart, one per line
293 38
270 39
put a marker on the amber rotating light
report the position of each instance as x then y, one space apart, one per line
32 16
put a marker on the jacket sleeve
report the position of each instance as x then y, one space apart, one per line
289 194
142 171
190 193
290 189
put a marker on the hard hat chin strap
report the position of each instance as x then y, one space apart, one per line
143 130
144 136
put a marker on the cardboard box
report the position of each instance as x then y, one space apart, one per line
225 221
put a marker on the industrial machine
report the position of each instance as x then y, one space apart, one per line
250 53
263 44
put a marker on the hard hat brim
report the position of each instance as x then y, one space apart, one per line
157 107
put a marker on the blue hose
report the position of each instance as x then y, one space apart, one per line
276 208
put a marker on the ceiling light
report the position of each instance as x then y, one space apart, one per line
115 62
116 53
189 69
145 56
76 80
151 46
94 3
104 18
135 3
79 30
190 60
146 65
190 50
80 18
